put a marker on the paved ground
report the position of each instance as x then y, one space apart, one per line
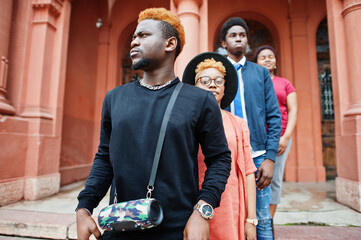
314 204
307 211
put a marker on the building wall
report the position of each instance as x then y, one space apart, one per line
13 130
56 67
277 18
33 56
291 24
343 18
81 73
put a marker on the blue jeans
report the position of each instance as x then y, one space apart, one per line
264 228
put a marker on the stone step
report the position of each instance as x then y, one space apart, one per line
36 224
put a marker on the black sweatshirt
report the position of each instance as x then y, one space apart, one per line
130 125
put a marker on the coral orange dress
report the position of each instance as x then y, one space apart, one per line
229 217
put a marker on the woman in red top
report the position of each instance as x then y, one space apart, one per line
287 99
236 217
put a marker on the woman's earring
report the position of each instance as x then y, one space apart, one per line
275 68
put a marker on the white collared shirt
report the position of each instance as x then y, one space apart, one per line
241 90
240 86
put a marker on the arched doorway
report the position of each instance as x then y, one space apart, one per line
259 35
125 72
327 110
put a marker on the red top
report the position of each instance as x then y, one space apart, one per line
229 217
283 88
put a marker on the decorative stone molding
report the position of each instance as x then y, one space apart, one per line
54 6
37 112
51 7
5 107
354 109
188 7
198 2
3 72
348 3
350 6
189 12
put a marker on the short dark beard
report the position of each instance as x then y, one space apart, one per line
144 62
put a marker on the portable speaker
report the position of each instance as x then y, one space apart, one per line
131 215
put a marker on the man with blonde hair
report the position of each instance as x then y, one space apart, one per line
131 120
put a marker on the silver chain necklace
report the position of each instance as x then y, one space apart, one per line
157 87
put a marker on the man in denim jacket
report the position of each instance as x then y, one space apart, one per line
256 102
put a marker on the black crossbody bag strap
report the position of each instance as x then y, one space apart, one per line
161 137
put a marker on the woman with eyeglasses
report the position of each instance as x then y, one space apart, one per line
236 217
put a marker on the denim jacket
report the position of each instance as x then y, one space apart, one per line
263 113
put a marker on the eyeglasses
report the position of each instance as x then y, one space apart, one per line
206 81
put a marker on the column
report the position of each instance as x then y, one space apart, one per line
309 165
43 95
348 137
101 85
45 13
5 25
352 18
188 13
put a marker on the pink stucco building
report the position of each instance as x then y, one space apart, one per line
59 58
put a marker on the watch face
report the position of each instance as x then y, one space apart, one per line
207 210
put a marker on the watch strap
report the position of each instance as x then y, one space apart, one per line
199 207
252 221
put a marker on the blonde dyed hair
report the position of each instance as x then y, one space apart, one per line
165 15
211 63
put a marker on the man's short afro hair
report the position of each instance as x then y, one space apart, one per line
165 15
236 21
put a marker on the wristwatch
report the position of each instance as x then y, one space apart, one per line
205 209
252 221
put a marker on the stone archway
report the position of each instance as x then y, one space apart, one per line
259 35
262 30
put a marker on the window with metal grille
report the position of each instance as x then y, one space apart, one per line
326 95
